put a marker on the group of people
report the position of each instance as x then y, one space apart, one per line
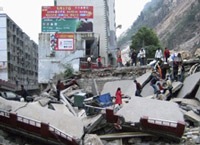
119 94
141 56
163 73
99 62
160 86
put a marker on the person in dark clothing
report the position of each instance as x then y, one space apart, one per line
58 87
24 93
138 88
134 58
153 82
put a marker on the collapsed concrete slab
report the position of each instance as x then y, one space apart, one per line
190 83
148 89
197 96
184 101
162 118
193 117
139 107
127 86
145 77
35 111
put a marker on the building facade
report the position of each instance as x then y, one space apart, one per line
103 22
18 55
96 38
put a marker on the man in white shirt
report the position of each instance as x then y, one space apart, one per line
142 55
158 54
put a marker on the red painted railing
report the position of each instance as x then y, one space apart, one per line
37 128
171 128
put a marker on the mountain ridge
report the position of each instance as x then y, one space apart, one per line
176 23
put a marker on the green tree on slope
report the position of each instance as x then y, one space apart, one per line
145 38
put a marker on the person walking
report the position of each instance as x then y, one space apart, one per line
138 88
153 81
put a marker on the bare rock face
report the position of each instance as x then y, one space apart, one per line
197 53
186 54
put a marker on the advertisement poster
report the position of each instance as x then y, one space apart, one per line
67 19
62 42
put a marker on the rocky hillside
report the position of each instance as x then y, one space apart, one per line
176 22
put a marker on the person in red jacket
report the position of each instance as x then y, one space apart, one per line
99 62
118 96
166 54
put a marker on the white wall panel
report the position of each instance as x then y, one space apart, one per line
3 33
2 22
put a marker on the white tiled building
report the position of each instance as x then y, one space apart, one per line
18 55
101 41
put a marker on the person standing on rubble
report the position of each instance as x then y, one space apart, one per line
169 87
89 62
99 63
118 96
133 58
166 54
119 58
58 89
138 88
153 81
24 93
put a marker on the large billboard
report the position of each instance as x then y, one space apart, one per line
62 41
67 19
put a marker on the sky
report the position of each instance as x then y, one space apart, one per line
27 14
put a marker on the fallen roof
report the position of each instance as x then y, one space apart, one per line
139 107
197 96
127 86
57 119
189 84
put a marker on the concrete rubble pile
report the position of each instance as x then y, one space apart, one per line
140 120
